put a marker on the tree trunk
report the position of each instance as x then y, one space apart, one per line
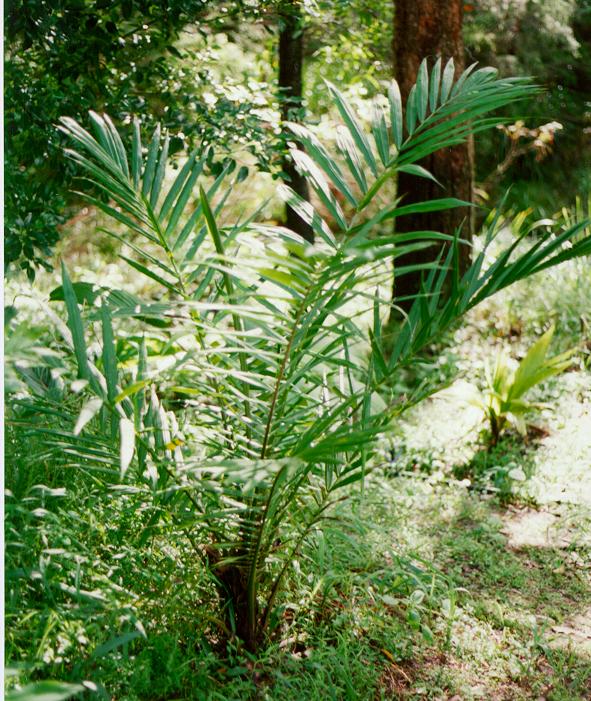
291 51
431 29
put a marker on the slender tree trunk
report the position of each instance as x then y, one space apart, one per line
431 29
291 51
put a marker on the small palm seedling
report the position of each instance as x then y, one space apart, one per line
502 400
286 389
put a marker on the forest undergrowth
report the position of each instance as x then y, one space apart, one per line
459 571
237 480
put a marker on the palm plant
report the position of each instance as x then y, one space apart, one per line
286 389
503 400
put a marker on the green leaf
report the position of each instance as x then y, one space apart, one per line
462 80
149 273
182 200
437 205
307 212
196 216
419 171
119 148
150 169
319 184
116 642
87 413
434 85
84 292
136 154
380 134
534 368
75 325
45 691
411 110
212 226
109 353
127 445
189 169
422 94
447 80
354 128
427 634
346 146
131 389
323 159
395 113
105 139
159 175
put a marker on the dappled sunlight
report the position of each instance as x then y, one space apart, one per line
574 633
530 528
444 426
516 591
563 460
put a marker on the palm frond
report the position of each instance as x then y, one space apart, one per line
285 388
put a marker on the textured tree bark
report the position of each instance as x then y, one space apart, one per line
291 52
431 29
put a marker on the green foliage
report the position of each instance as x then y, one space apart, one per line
253 409
549 40
579 211
502 468
301 419
503 399
73 56
66 59
349 43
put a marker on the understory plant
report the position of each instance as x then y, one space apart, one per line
502 400
246 398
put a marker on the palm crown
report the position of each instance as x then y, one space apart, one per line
287 388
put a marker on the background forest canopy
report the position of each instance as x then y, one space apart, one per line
208 72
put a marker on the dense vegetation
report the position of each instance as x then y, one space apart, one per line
275 426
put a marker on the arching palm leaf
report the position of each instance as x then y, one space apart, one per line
286 388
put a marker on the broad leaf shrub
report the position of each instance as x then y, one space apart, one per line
53 68
274 391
